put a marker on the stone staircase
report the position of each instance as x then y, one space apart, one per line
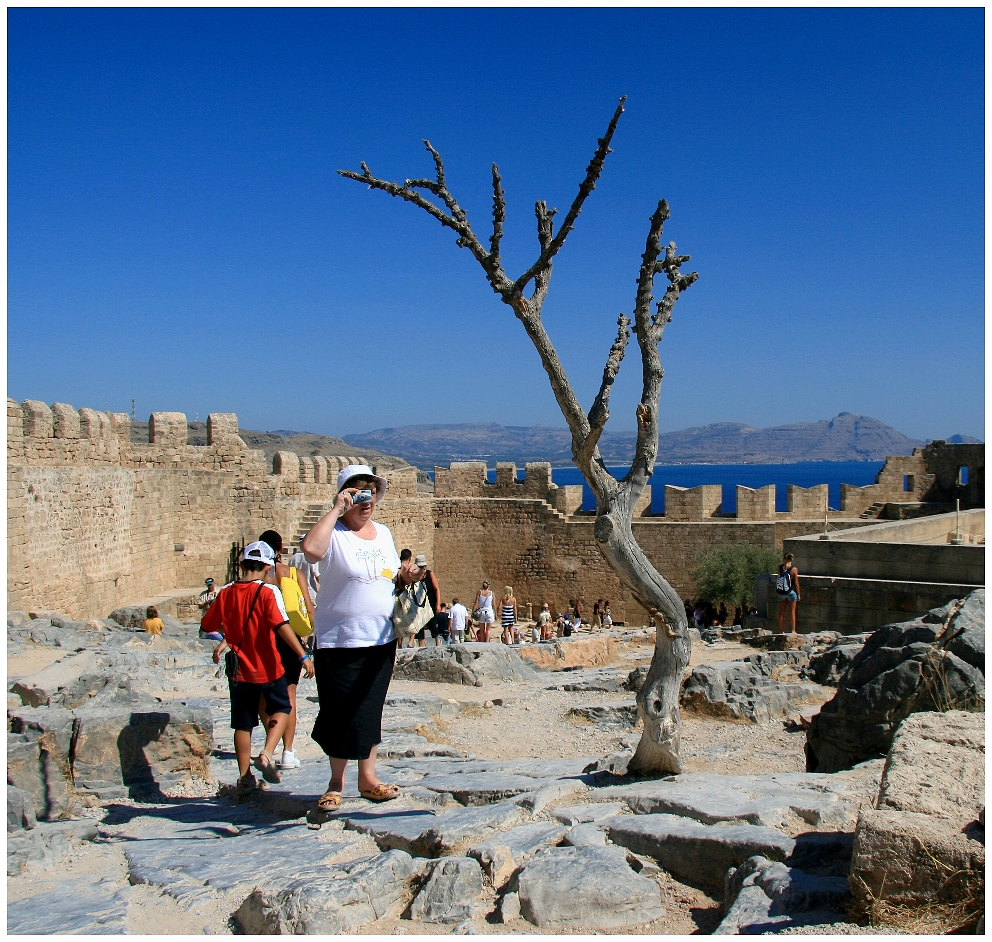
311 514
873 511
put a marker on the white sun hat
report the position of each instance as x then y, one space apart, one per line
361 471
259 553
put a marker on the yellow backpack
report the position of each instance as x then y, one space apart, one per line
296 606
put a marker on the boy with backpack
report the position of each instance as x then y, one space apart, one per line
787 590
249 614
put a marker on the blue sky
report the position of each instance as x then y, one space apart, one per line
177 232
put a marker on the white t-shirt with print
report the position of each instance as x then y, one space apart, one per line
355 601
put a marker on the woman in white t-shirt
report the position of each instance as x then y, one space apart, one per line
354 645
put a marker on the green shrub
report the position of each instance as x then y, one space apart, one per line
727 573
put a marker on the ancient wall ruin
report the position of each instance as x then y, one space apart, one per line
96 521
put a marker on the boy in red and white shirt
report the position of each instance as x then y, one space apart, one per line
249 613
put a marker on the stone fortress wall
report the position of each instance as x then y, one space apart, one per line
96 521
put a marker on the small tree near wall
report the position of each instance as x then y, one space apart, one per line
727 573
659 749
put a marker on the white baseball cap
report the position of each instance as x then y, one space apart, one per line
361 471
259 553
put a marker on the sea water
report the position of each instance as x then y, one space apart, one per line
728 476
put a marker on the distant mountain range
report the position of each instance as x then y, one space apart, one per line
848 437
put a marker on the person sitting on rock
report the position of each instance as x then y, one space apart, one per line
207 597
544 622
153 625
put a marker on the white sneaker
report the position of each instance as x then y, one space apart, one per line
289 760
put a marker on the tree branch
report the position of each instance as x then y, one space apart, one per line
457 220
593 171
599 414
499 215
649 331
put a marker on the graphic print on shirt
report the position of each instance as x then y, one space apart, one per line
374 562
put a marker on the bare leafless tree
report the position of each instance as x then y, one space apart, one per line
659 749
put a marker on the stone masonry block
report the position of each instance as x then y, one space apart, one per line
38 419
94 425
287 465
307 470
807 501
168 429
120 423
222 428
756 504
15 430
320 469
506 474
693 503
65 420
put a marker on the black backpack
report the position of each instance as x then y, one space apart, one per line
783 584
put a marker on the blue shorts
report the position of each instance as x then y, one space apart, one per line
245 697
788 597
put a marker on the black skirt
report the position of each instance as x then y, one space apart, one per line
351 687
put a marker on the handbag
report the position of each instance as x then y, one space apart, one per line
296 606
411 611
231 665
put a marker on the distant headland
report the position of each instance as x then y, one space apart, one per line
847 437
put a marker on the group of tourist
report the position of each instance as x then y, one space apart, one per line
330 613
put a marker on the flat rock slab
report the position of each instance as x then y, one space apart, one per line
586 886
936 766
329 901
69 682
698 852
472 664
236 860
585 835
90 909
620 715
503 852
476 781
608 680
426 834
588 813
782 799
763 894
451 892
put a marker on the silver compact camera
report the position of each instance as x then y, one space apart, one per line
362 497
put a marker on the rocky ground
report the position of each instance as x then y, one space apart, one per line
503 824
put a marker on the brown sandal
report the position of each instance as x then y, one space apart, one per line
329 800
380 792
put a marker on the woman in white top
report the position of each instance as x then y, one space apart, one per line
484 614
354 645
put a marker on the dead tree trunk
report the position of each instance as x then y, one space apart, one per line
658 701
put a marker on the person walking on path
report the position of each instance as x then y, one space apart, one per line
433 595
153 625
787 590
508 614
249 614
355 647
484 614
459 617
290 661
309 570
